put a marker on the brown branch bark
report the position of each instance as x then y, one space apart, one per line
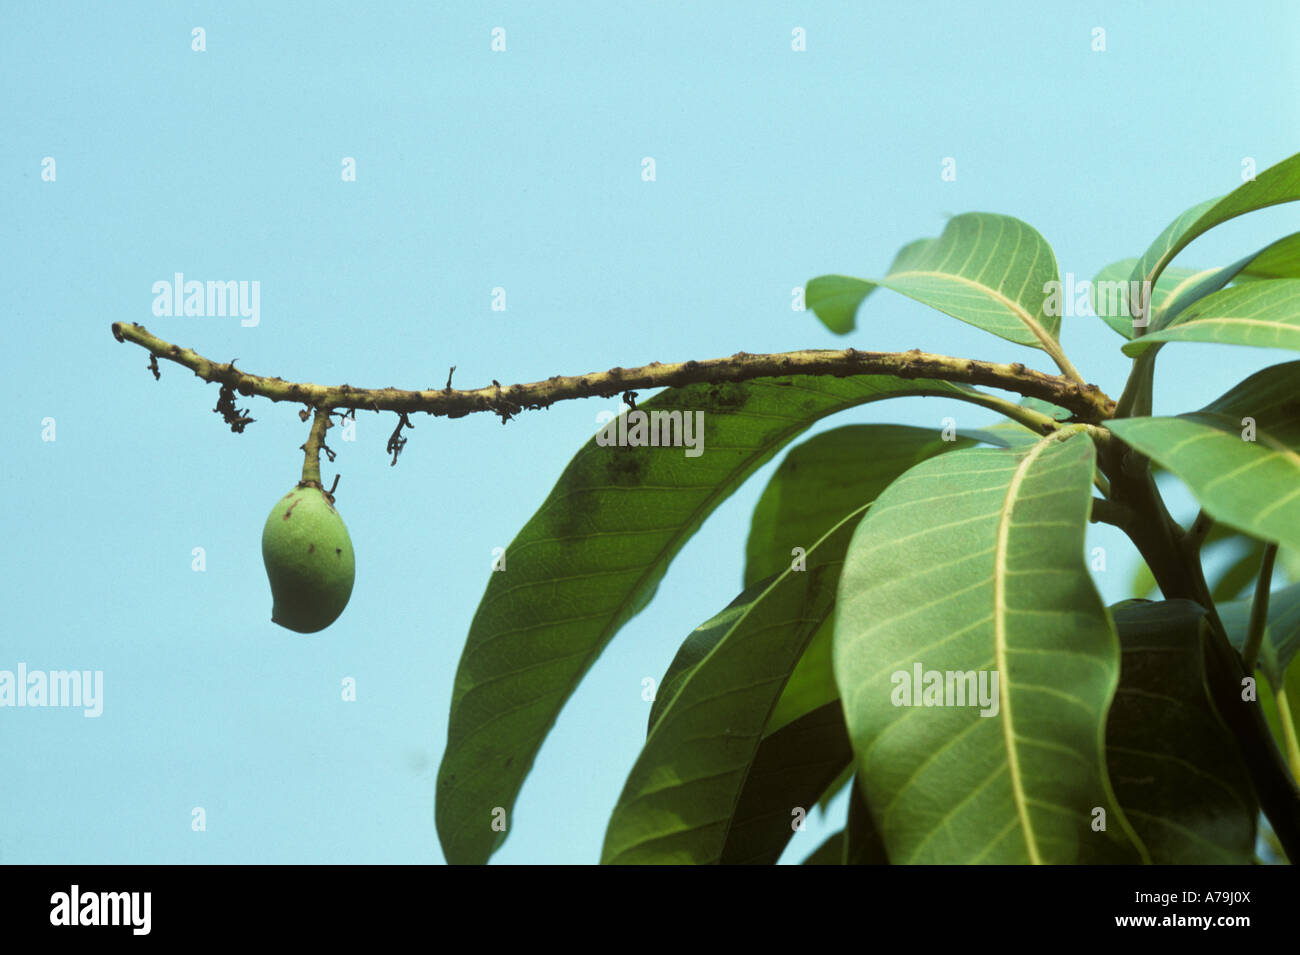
1086 402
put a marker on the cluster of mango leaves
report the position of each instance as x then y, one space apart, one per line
963 555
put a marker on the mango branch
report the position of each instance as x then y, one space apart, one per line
1086 402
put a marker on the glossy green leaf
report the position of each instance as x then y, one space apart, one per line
791 770
1277 184
588 561
1175 766
1253 486
680 800
991 271
973 563
1261 314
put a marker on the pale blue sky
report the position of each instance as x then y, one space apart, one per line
475 170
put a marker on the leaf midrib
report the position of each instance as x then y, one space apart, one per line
1015 308
1000 644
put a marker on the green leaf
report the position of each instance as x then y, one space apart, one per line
1260 314
1111 291
974 562
791 770
1281 633
835 299
812 684
1281 260
1277 184
820 481
1174 764
680 800
1193 290
1273 257
699 644
1012 434
1144 582
1253 486
1283 724
826 477
988 270
588 561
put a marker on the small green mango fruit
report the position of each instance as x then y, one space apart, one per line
309 561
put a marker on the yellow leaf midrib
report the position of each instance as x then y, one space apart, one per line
1000 645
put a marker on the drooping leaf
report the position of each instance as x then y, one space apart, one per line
1277 184
680 801
699 644
1282 711
820 481
1252 485
588 561
1175 766
835 299
1260 314
790 772
1281 633
973 563
991 271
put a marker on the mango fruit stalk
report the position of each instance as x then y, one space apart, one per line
309 560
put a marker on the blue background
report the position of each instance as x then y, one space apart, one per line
478 169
